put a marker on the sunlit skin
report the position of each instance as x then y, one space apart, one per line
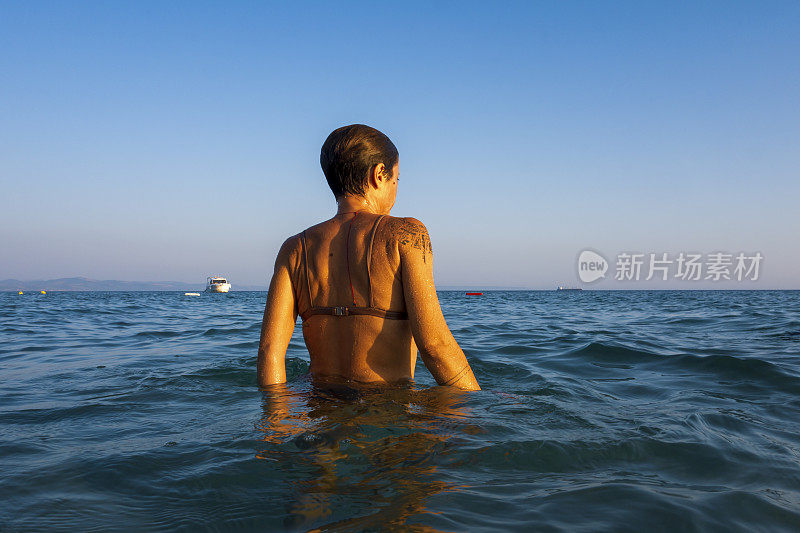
362 348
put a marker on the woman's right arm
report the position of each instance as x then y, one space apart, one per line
277 326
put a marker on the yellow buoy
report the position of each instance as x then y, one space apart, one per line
20 292
44 292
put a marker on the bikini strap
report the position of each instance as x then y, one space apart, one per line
305 264
348 311
369 257
347 255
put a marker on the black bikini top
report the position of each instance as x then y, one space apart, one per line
347 310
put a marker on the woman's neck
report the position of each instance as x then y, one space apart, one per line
352 204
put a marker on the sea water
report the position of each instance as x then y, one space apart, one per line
623 411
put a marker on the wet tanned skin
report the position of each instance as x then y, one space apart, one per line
409 233
362 348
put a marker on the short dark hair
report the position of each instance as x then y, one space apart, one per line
350 153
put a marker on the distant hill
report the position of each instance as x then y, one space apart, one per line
86 284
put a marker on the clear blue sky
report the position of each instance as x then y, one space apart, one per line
171 140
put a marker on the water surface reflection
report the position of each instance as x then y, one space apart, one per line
357 457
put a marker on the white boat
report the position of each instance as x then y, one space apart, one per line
217 284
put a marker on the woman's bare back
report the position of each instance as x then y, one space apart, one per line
364 323
353 262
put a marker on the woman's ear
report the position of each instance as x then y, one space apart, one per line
377 175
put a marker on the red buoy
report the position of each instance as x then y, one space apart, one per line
474 294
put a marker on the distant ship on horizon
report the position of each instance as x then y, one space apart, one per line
565 288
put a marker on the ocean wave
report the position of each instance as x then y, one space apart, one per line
146 413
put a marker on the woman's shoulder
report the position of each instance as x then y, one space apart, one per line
292 247
290 251
405 230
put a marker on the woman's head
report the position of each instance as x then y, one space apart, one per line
353 156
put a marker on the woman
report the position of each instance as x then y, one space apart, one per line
361 281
